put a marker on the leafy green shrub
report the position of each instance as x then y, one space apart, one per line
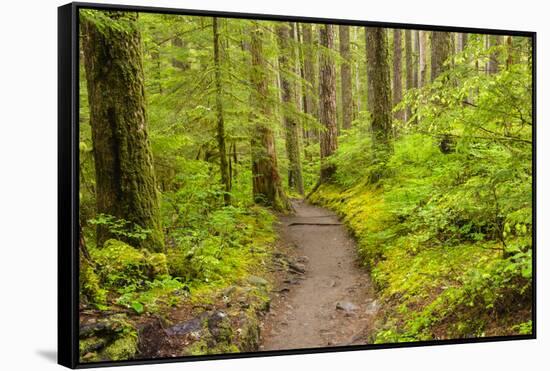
121 228
228 241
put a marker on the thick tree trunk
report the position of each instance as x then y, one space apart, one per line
345 75
440 52
220 126
397 88
266 182
409 84
287 64
125 179
327 81
370 78
379 76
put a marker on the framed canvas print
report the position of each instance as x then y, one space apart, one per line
236 185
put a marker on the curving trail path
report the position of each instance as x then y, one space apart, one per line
327 299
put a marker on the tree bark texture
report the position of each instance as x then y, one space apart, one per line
266 183
409 83
327 81
220 125
287 65
310 89
397 88
345 76
379 76
125 178
440 52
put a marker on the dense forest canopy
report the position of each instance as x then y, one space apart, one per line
196 131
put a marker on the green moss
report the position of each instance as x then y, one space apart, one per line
120 264
249 338
430 290
116 339
158 263
91 344
90 284
198 348
123 348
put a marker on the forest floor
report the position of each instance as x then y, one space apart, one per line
316 295
327 298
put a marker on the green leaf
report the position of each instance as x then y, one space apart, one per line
137 306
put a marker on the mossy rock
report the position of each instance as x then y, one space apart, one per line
249 338
120 264
109 339
123 348
158 264
90 287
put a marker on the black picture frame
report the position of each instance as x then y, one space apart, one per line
68 181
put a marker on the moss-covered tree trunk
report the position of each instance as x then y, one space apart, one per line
287 65
220 126
327 102
440 52
379 76
345 76
266 182
125 178
397 88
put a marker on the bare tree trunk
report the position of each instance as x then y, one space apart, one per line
287 64
220 126
357 74
440 52
327 79
408 68
345 75
415 62
266 182
370 78
422 59
397 89
311 90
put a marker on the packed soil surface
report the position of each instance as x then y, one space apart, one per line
326 297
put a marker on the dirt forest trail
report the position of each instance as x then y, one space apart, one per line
328 299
